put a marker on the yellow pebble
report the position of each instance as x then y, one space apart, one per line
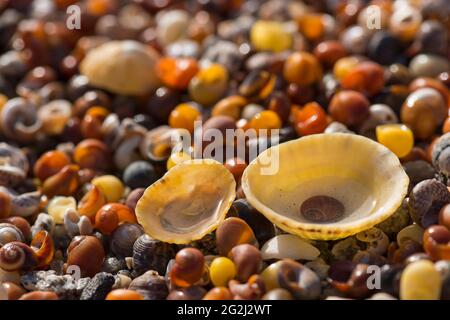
269 276
58 205
176 158
420 281
221 271
397 137
110 186
209 84
267 119
270 36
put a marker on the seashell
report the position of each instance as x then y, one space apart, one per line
426 200
399 254
190 293
9 276
377 241
436 242
19 120
247 259
10 233
188 202
17 256
63 183
57 207
133 197
288 246
87 253
40 295
151 254
12 290
232 232
150 285
278 294
158 143
5 204
369 183
122 67
337 127
92 154
352 281
253 289
76 225
420 281
91 202
50 163
411 232
43 222
441 154
379 114
13 165
299 280
24 204
123 239
123 294
43 246
126 144
111 215
218 293
54 116
188 268
262 228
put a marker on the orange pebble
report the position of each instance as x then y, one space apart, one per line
176 72
111 215
49 164
39 295
123 294
310 119
184 116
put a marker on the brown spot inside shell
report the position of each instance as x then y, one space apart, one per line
322 209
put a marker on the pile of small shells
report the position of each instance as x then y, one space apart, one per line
95 203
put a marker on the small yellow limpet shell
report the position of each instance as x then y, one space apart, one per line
363 175
188 202
122 67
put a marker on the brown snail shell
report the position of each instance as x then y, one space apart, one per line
150 285
15 256
123 238
22 224
10 233
425 201
24 204
86 252
151 254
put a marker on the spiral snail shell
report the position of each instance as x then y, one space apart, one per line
19 120
123 239
151 254
10 233
15 256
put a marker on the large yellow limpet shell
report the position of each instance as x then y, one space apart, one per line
188 202
123 67
366 177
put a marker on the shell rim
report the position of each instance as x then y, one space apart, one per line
323 231
174 237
